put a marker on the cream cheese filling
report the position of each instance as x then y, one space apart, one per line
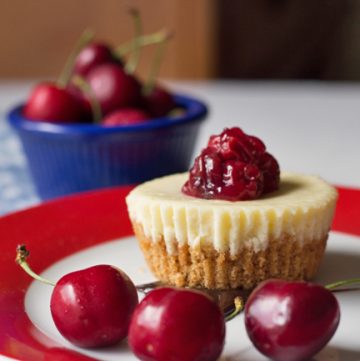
302 209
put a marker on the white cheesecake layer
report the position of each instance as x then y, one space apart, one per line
302 208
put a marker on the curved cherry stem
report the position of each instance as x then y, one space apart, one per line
133 62
21 259
84 86
65 75
156 64
349 282
238 307
143 40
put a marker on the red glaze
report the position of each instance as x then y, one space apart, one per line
291 321
113 88
234 166
177 325
91 56
48 102
125 116
93 307
159 102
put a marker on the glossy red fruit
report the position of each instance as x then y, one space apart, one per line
178 325
159 102
48 102
93 307
82 98
234 166
291 321
113 87
91 56
125 116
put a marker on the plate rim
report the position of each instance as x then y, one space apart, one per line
67 232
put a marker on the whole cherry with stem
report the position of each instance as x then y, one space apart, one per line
94 54
292 321
85 39
113 87
98 53
53 102
91 307
178 325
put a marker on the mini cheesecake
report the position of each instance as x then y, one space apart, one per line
220 244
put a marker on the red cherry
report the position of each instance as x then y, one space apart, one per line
159 102
113 88
125 116
48 102
93 307
83 99
178 325
291 321
91 56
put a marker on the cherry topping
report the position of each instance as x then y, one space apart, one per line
234 166
291 321
178 325
51 103
91 56
270 169
125 116
113 88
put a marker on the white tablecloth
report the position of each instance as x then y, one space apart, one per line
310 127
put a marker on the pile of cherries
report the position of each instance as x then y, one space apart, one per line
234 166
98 307
98 84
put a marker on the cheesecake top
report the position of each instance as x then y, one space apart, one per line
302 206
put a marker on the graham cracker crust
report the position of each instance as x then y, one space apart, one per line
205 267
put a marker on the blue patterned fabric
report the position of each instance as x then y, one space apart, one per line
16 188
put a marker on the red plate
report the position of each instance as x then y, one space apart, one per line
59 228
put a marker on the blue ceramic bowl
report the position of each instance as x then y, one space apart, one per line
65 159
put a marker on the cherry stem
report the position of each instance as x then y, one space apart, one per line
84 86
239 306
133 62
65 75
143 40
338 284
146 287
155 66
21 259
